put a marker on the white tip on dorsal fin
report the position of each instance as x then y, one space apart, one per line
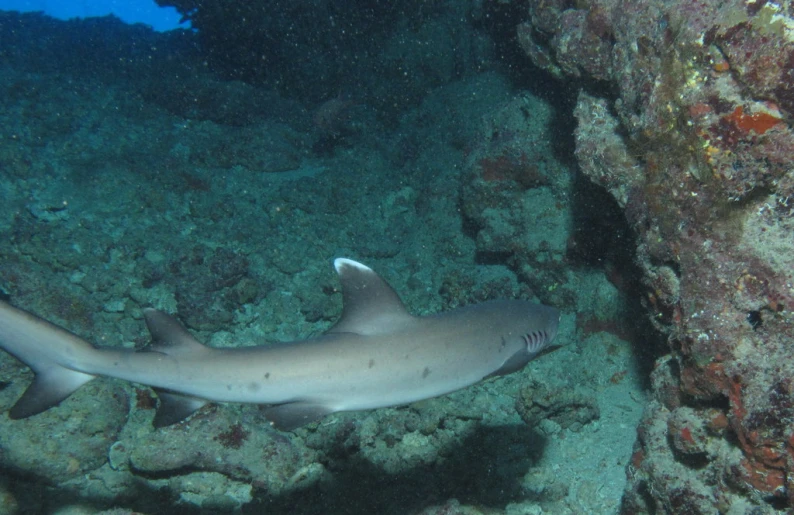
371 306
169 336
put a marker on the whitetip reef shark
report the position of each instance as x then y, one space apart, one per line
377 355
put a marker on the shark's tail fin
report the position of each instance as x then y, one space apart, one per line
50 351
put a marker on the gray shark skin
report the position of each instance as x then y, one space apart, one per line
377 355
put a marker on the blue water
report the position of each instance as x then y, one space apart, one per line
130 11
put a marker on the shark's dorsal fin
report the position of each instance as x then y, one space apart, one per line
371 306
169 336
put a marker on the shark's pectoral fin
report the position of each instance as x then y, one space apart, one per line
50 386
512 364
518 360
175 407
293 415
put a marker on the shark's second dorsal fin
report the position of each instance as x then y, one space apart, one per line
175 408
371 306
169 336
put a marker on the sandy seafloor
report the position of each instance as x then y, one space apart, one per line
226 203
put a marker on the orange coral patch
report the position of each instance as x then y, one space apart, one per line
704 382
763 478
718 422
770 456
758 122
722 66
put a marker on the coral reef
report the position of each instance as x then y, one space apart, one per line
691 136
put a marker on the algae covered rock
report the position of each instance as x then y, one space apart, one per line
567 408
69 440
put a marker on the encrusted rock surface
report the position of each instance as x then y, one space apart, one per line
47 449
684 119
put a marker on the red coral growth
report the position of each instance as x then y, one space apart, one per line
144 399
764 464
700 109
717 422
762 478
637 458
703 383
234 437
686 435
507 167
758 122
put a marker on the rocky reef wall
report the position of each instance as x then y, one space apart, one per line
684 117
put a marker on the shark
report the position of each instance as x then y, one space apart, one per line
376 355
